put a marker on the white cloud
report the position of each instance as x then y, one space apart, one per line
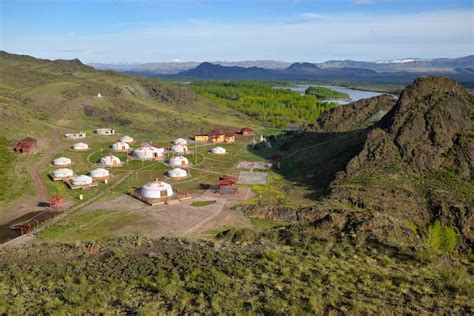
355 36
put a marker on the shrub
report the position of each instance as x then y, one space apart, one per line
441 239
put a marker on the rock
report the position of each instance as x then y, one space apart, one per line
361 114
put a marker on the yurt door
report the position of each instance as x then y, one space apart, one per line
164 193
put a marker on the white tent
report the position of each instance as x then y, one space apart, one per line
177 173
81 180
120 147
180 141
99 173
179 149
62 173
62 161
126 139
110 161
80 146
178 161
148 152
156 190
218 150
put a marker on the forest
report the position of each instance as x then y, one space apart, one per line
322 92
263 102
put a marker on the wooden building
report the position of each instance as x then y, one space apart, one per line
215 136
26 145
227 184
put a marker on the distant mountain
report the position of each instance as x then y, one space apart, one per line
174 67
303 67
406 64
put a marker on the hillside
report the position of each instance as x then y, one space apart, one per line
395 179
369 208
46 99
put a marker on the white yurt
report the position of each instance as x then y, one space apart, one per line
62 173
126 139
81 180
218 150
180 141
177 173
99 173
120 147
110 161
156 190
148 152
62 162
178 161
80 147
179 149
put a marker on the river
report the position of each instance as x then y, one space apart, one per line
355 95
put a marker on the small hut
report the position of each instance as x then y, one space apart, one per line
80 147
25 145
120 147
227 185
247 131
218 151
62 162
105 131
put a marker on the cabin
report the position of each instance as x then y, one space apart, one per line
216 136
247 131
26 145
201 138
105 131
229 138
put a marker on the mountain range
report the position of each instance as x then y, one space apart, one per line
394 65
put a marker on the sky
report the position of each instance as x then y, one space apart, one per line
139 31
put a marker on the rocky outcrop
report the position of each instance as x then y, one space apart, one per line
428 119
357 115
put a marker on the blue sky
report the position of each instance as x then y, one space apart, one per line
130 31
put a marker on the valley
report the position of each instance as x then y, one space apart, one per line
287 203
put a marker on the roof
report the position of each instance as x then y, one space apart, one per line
216 133
28 140
246 129
227 180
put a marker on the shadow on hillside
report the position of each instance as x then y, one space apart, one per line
312 159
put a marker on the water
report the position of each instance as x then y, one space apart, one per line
355 95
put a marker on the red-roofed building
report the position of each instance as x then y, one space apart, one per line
25 145
227 184
247 131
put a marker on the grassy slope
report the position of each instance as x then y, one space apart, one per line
290 273
42 98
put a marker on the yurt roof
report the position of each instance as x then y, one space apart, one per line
99 172
218 150
83 145
180 140
62 160
126 138
177 172
63 171
157 186
82 179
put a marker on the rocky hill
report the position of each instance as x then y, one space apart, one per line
389 183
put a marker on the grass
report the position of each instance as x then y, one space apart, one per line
290 273
93 225
202 203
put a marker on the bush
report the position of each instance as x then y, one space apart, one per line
441 239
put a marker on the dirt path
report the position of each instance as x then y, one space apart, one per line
28 203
